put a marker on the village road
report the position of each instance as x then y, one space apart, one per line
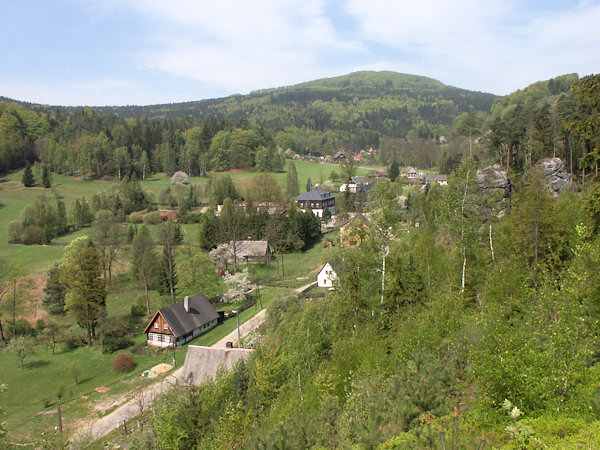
141 400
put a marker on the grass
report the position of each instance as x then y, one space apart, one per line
44 373
38 258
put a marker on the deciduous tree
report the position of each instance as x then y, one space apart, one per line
143 258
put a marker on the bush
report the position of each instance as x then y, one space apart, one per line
112 344
136 217
152 218
33 235
24 328
123 363
137 310
74 341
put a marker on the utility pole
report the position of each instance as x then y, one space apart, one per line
237 318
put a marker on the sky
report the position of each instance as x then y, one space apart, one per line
140 52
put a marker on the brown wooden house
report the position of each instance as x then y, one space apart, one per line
181 322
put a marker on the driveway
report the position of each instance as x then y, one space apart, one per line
142 399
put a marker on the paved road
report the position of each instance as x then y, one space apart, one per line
142 399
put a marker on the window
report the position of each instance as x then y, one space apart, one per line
166 326
155 325
167 338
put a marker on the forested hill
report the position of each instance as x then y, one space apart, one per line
380 103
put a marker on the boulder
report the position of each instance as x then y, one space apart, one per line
494 177
555 175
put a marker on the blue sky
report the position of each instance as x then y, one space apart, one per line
119 52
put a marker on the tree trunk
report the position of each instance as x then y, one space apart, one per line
535 241
2 338
147 297
89 333
268 260
234 248
464 271
492 244
282 267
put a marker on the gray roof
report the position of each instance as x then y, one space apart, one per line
251 248
202 363
182 321
360 180
315 194
436 177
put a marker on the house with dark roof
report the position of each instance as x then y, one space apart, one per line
317 200
247 251
356 184
181 322
339 156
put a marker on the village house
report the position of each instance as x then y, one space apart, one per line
181 322
339 156
440 179
354 232
356 184
411 173
247 251
328 274
317 200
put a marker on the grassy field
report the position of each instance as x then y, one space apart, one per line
32 388
38 258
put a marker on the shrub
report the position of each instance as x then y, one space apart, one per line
112 344
152 218
136 217
74 341
123 363
137 310
23 328
33 234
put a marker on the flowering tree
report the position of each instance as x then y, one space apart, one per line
237 283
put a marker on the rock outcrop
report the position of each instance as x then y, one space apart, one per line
555 175
494 177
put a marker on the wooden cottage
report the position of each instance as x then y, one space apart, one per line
181 322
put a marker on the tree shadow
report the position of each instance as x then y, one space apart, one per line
36 364
84 380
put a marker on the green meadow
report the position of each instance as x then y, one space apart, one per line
38 258
33 389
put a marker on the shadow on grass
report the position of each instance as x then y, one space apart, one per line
84 380
36 364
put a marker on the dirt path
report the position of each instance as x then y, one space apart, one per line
142 400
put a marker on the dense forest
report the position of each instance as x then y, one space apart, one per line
415 120
478 327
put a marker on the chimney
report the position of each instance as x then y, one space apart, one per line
186 303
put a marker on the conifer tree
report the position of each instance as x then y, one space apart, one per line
28 179
293 188
46 177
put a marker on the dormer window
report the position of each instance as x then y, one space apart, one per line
155 325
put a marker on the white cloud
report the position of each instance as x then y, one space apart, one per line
241 46
493 45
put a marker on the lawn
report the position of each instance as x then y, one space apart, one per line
29 389
38 258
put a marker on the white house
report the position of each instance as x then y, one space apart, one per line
355 184
328 275
317 200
